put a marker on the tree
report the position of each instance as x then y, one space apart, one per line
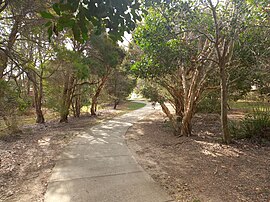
15 16
175 57
120 85
36 51
69 71
117 16
104 57
205 34
230 19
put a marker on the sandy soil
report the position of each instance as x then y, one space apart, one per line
26 160
200 168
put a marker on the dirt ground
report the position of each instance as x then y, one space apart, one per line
200 168
26 160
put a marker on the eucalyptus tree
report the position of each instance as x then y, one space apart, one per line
186 40
104 57
69 70
16 16
120 85
176 57
230 20
37 51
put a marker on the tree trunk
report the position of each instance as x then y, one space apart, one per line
174 121
93 105
96 95
116 102
76 101
11 40
224 104
64 117
186 123
77 106
66 98
38 103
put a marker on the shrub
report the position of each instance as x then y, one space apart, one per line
254 125
210 103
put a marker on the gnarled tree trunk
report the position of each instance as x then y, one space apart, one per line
96 95
38 93
66 98
76 106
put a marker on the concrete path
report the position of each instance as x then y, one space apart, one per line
97 167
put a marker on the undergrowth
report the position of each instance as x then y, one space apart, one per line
255 125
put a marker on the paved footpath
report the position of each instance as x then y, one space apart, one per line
98 167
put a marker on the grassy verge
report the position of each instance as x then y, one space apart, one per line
249 106
123 108
130 106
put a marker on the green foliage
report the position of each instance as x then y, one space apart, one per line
73 61
210 103
68 67
10 100
117 16
254 125
252 54
108 53
154 92
120 85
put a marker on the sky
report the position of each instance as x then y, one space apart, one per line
126 40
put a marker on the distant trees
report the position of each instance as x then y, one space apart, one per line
105 58
67 71
119 86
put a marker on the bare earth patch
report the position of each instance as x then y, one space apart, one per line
27 159
200 168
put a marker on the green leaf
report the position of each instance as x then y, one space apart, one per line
84 29
56 8
66 21
46 15
48 24
76 32
50 32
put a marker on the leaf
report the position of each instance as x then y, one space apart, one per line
46 15
48 24
50 33
84 29
76 32
66 21
56 8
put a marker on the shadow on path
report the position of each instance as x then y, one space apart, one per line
97 167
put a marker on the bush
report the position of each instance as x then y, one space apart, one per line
210 103
254 125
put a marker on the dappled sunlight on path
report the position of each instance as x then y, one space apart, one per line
97 166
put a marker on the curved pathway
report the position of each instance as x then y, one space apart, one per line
97 167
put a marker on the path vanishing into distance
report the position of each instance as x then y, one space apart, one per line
97 166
